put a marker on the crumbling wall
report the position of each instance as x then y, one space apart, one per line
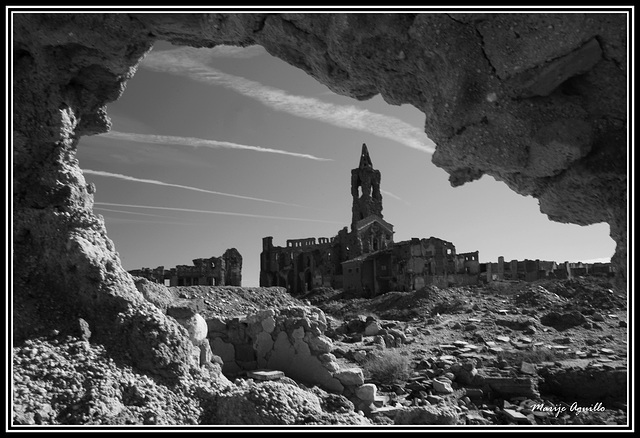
531 270
288 339
233 265
535 100
213 271
302 265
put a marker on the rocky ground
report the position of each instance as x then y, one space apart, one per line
542 353
496 351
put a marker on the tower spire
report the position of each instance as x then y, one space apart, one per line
365 159
365 189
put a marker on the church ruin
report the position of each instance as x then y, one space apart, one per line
365 260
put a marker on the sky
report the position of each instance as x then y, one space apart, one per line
217 148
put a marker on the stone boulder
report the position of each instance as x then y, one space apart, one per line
429 414
373 328
197 328
350 376
563 321
516 323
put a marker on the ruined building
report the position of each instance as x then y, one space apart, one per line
532 270
365 259
214 271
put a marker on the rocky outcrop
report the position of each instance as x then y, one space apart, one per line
68 381
534 100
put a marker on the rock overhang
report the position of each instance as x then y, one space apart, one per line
535 100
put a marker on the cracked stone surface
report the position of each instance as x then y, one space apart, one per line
537 101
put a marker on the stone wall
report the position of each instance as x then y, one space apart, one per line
288 339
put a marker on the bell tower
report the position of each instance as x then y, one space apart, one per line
365 190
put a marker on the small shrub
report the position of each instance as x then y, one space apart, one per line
387 366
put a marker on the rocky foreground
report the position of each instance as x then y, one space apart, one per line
546 353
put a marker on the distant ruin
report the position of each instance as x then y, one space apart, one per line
365 261
532 270
214 271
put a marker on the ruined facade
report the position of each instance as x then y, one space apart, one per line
214 271
365 260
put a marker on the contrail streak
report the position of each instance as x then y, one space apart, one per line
132 212
185 62
391 195
195 189
199 142
226 213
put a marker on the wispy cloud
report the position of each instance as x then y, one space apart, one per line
116 220
226 213
391 195
199 142
119 220
130 212
187 62
195 189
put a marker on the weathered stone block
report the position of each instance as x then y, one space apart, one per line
332 367
372 329
223 349
300 366
366 392
268 324
326 357
302 349
265 375
321 344
442 387
350 376
298 333
515 416
263 344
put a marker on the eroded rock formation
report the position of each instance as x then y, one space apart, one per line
537 101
